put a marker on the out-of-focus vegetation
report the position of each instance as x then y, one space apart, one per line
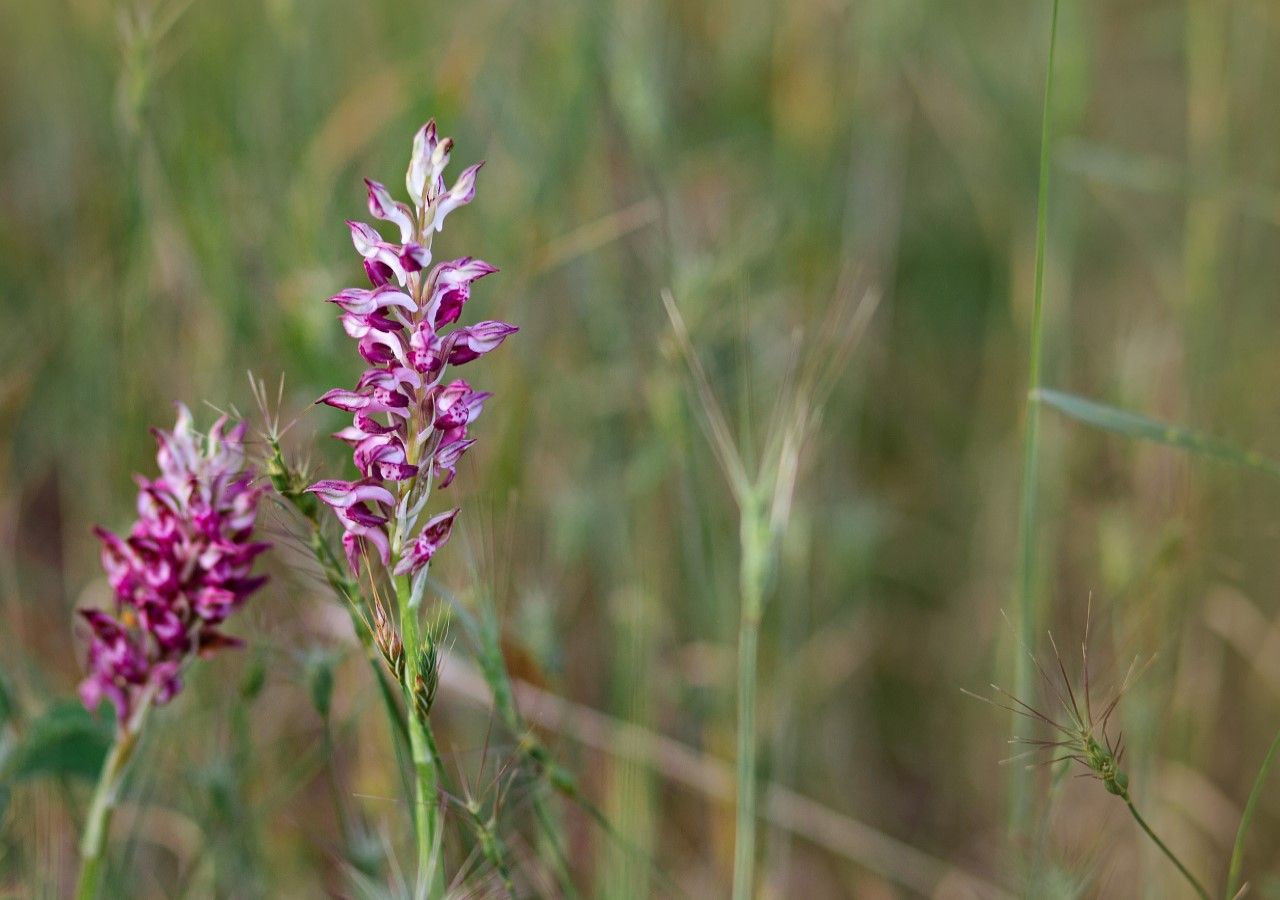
173 183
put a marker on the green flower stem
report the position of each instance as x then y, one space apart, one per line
426 807
1237 852
755 540
93 844
419 746
1200 891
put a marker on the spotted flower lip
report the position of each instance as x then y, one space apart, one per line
362 302
184 567
409 421
347 493
457 405
477 340
434 535
451 288
398 261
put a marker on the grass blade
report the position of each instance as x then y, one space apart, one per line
1237 852
1133 425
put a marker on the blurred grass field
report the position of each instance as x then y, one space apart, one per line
173 182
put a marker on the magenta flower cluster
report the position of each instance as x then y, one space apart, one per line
183 568
410 422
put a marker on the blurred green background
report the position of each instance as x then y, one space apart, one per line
173 183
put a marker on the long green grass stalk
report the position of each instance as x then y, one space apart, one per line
755 545
764 501
482 628
753 575
1246 819
1028 614
344 586
93 844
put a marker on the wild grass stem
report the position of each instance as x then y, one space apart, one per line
486 634
764 502
1200 891
1246 819
290 483
1028 613
753 575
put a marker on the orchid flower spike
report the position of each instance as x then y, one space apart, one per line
410 421
184 567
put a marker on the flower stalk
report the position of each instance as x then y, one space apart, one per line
93 844
1164 848
426 807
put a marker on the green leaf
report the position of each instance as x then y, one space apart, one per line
66 740
1118 421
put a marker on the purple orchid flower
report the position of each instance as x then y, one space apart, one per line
184 567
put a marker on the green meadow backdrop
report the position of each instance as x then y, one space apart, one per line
173 183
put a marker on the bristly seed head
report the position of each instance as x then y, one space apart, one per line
428 676
289 481
1080 735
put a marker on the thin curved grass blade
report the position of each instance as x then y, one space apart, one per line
1139 427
